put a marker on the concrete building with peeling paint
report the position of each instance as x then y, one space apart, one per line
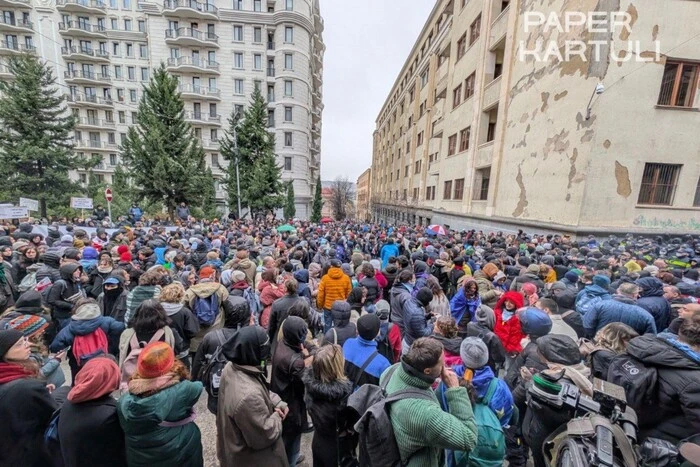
480 132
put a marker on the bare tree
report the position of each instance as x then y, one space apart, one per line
342 198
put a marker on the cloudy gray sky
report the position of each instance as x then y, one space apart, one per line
366 45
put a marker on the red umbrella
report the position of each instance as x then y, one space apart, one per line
326 220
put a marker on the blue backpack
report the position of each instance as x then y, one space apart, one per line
254 302
206 309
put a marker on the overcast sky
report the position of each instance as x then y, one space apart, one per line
367 43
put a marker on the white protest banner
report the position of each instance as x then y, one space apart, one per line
30 204
13 213
81 203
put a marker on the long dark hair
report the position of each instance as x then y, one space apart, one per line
149 317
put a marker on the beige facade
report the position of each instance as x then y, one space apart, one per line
103 52
363 191
481 132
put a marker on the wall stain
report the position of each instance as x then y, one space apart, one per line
622 175
634 16
527 129
561 95
582 122
572 168
522 201
558 143
621 55
607 144
524 117
522 143
587 136
655 32
545 97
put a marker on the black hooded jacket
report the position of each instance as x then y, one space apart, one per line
50 262
65 292
652 299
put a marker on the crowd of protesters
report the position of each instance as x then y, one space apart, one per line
282 329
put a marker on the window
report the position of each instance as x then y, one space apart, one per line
416 194
133 95
257 35
289 5
416 169
483 177
257 5
408 147
430 193
115 49
117 72
288 138
120 95
112 159
475 30
412 93
126 4
131 73
491 132
289 34
143 50
424 79
457 96
238 33
129 50
288 114
114 23
238 86
419 139
288 88
127 25
452 145
215 161
288 61
141 24
659 184
134 117
464 139
257 62
144 74
405 170
462 46
237 4
287 163
122 138
238 60
678 84
271 118
696 201
459 189
122 116
110 136
469 86
447 191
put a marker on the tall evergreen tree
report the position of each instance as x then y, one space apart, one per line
318 203
290 209
165 160
228 147
35 136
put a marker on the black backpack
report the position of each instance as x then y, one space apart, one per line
640 383
211 372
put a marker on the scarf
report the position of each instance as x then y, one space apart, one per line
12 371
506 315
145 387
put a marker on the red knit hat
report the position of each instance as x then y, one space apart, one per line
207 272
125 257
155 360
121 249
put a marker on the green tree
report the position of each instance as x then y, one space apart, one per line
228 147
260 176
290 209
318 203
36 150
164 159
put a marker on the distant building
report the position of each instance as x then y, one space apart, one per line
363 190
327 197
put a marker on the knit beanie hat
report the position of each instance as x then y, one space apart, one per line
67 238
237 276
28 325
535 322
125 257
601 281
490 270
424 296
121 249
97 378
533 269
155 360
86 312
382 309
8 338
474 353
89 253
486 317
571 276
368 326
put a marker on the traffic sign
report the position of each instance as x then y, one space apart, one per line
108 194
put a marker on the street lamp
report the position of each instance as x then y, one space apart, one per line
599 89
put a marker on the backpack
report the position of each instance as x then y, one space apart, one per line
383 346
206 309
254 302
211 371
490 449
135 348
27 283
377 442
90 346
51 439
640 384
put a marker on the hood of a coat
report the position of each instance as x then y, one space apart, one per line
238 313
341 313
245 263
335 273
205 289
419 267
597 290
650 287
84 327
515 297
302 276
334 391
67 271
659 352
451 345
248 347
294 331
143 414
51 260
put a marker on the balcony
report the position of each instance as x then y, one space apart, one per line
89 101
82 29
499 28
94 145
199 92
12 48
191 37
94 7
484 155
492 94
190 9
5 72
212 144
92 122
16 4
203 118
270 45
84 53
193 64
441 81
15 24
86 77
270 72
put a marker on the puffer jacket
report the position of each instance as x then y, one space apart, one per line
510 332
150 444
335 285
50 264
400 294
373 290
620 309
652 299
342 329
415 323
65 292
488 293
677 411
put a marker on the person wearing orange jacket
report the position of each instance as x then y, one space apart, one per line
335 285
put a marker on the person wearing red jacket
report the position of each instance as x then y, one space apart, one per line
508 327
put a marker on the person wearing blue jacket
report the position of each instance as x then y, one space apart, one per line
594 293
651 298
363 362
415 320
86 319
621 309
387 251
466 301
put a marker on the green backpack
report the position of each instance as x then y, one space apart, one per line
490 447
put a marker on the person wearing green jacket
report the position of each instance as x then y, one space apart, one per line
157 413
422 430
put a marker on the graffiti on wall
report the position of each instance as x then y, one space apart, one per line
690 225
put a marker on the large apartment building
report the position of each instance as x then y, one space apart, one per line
103 53
479 131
